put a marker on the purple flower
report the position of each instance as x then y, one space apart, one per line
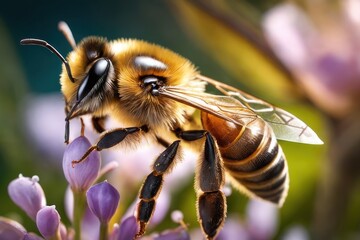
260 223
323 56
82 175
127 229
27 194
262 219
103 200
234 226
9 229
48 221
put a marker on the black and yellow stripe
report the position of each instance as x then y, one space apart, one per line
252 158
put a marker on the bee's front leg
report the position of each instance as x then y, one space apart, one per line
110 139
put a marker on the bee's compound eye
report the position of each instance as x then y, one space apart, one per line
96 75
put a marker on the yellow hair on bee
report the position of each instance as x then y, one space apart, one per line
132 102
141 104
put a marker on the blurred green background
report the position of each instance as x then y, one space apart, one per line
31 71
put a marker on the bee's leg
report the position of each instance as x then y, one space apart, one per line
110 139
98 123
209 182
162 142
152 185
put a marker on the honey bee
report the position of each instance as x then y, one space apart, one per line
156 92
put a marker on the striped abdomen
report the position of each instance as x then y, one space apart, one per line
252 157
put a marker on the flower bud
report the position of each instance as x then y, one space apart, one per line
81 175
103 200
27 194
9 229
128 228
177 216
48 221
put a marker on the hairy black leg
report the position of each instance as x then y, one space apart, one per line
151 187
110 139
211 200
209 182
99 123
191 135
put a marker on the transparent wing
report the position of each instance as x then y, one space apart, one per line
285 125
224 107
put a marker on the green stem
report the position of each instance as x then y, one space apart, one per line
103 231
79 210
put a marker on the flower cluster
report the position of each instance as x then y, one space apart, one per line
90 204
319 44
320 50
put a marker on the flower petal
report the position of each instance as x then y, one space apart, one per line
128 228
9 229
82 175
321 55
27 194
103 200
32 236
289 32
48 221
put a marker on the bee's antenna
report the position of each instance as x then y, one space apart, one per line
39 42
65 29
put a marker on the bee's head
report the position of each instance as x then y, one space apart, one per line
87 79
93 73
